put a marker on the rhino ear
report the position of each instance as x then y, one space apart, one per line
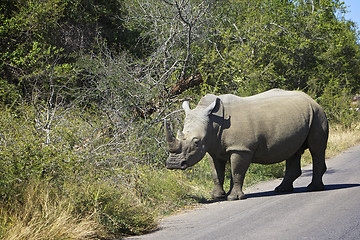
214 107
186 107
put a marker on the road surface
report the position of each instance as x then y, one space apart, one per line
330 214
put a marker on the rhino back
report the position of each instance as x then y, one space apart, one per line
272 125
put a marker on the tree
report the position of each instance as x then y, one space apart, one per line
171 30
265 44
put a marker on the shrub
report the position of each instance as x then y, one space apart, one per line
115 206
102 178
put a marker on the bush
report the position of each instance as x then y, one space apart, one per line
77 168
336 102
26 153
114 205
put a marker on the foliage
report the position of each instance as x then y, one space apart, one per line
94 178
335 100
293 45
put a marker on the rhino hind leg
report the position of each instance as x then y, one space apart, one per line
292 172
319 168
317 141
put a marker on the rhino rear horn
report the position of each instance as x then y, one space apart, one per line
186 107
172 142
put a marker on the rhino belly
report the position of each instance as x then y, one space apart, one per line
277 148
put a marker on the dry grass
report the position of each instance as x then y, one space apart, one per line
45 216
342 138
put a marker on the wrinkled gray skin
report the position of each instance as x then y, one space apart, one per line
266 128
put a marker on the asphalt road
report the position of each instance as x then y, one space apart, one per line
330 214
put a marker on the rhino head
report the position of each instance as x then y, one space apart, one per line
191 144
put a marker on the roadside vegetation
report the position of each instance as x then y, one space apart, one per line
85 87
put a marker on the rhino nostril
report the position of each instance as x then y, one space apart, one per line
183 165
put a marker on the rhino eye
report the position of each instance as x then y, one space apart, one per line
196 142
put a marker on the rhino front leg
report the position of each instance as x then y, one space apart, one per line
240 162
218 175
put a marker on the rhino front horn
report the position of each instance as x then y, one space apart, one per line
172 142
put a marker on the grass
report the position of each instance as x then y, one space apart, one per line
342 138
43 215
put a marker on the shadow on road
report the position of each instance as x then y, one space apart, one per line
329 187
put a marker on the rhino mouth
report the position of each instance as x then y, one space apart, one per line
173 162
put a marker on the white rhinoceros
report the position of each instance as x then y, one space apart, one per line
266 128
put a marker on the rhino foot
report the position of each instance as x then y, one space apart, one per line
315 187
233 197
218 194
219 197
284 189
